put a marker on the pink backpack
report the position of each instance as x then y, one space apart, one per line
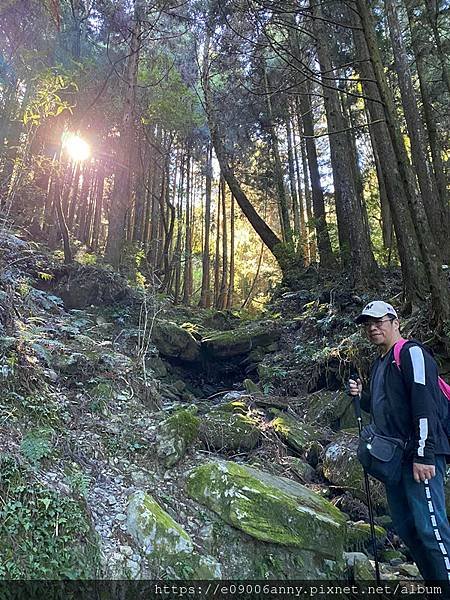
443 385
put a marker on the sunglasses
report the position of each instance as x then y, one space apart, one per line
377 324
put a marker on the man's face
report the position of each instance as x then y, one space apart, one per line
382 331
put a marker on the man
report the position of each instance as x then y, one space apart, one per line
406 403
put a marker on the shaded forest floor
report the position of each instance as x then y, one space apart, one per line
108 396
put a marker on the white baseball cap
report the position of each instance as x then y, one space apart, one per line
376 309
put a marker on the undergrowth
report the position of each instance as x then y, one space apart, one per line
44 534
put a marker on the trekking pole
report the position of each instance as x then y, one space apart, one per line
357 407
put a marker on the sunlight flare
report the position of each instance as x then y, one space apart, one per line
75 146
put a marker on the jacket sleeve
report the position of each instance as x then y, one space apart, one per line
365 400
420 374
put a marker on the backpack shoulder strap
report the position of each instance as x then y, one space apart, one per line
397 349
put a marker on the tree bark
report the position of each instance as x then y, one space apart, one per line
230 299
292 183
425 252
432 14
416 131
304 112
419 46
205 295
120 200
278 168
355 244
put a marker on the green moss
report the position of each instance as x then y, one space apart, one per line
234 406
229 431
269 508
294 432
183 423
359 536
342 468
246 558
166 544
225 344
175 434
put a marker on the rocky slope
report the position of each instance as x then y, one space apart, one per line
139 440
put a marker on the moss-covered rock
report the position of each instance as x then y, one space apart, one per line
332 409
229 431
226 344
359 536
243 557
165 543
360 567
234 406
300 468
269 508
294 432
390 554
175 342
175 434
342 468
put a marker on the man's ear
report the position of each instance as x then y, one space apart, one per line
396 324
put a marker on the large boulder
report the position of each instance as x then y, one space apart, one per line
229 430
342 468
227 344
175 434
80 286
167 546
332 409
270 509
173 341
294 432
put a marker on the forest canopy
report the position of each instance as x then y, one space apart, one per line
214 148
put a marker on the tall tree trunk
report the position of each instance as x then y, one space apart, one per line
301 195
205 295
355 244
349 123
217 247
230 298
68 257
278 168
427 254
416 131
304 112
223 292
187 286
96 229
120 200
433 14
419 46
386 217
286 259
292 183
310 231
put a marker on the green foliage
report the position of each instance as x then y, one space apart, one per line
36 445
269 374
86 258
171 104
45 276
79 482
36 407
44 535
47 100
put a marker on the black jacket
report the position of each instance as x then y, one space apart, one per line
415 408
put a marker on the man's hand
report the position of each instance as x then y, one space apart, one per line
355 387
422 472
